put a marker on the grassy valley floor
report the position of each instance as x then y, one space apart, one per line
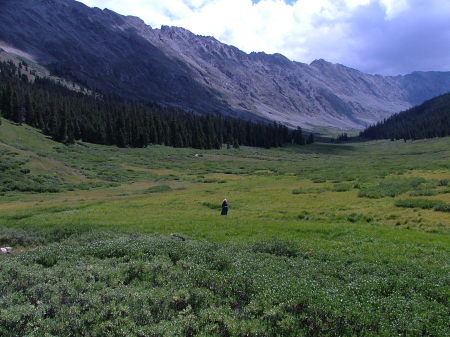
320 240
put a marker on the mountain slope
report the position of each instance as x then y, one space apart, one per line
32 70
172 66
429 120
66 115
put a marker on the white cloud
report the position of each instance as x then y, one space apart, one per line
303 30
394 7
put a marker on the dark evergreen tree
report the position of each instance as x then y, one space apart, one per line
431 119
310 139
342 138
14 107
297 136
68 115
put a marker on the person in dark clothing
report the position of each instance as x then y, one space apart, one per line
224 207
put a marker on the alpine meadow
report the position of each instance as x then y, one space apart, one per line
158 183
324 239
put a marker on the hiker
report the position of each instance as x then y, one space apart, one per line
224 207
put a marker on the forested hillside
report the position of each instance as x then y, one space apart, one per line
67 115
429 120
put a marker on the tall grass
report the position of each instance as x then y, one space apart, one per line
391 187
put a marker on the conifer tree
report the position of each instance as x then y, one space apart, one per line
66 116
310 139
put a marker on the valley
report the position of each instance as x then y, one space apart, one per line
265 184
120 141
314 208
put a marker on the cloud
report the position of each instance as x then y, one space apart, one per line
377 36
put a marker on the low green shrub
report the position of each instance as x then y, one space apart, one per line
444 182
19 237
442 208
137 285
423 193
342 187
419 203
310 190
210 205
91 185
213 180
390 188
47 259
305 215
446 191
158 189
168 177
278 248
355 217
357 185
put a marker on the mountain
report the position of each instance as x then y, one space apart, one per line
32 71
428 120
172 66
68 113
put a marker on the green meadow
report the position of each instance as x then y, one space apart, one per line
321 240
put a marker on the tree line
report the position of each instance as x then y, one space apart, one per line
429 120
67 115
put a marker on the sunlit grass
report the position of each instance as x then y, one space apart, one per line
327 196
368 221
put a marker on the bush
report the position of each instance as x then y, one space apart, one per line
158 189
47 259
136 285
18 237
423 193
210 180
210 205
342 187
442 208
354 217
305 215
311 190
418 203
444 182
446 191
91 185
278 248
390 188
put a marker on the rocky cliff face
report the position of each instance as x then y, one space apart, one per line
172 66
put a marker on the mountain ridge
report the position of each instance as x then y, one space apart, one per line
173 66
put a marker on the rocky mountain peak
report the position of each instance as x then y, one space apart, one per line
173 66
319 63
176 31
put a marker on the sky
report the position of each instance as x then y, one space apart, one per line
387 37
